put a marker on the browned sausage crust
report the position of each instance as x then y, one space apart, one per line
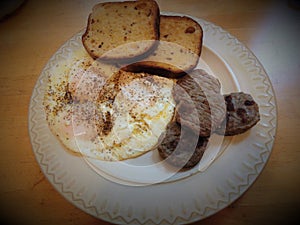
181 147
241 115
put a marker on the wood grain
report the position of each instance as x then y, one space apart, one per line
34 32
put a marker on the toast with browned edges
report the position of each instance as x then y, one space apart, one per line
122 30
178 50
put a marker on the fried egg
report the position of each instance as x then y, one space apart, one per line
101 112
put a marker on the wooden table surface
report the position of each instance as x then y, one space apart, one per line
28 38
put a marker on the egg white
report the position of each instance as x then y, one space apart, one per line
107 114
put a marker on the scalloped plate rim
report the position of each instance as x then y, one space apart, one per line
196 214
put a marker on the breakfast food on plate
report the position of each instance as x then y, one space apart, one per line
181 147
242 113
159 101
118 117
178 50
122 30
199 102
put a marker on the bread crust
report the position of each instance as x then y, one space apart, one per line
156 68
158 62
150 42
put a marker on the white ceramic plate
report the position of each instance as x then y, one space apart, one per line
186 197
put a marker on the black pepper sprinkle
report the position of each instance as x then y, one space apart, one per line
68 97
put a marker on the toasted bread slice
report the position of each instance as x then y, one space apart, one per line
178 50
122 30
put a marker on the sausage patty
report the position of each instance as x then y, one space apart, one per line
181 147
